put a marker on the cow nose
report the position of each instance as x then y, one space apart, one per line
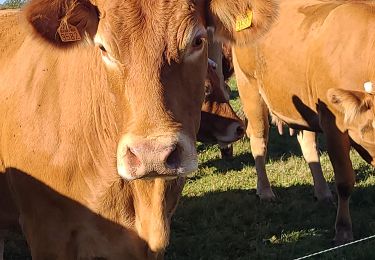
166 156
149 159
173 160
154 154
240 131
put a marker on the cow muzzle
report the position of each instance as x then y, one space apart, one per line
233 132
159 157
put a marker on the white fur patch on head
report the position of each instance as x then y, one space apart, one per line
368 86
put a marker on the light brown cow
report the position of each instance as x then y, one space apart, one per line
100 105
306 139
309 71
219 123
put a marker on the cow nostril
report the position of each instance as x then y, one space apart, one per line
240 131
132 159
173 160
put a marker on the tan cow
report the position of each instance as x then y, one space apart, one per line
306 139
309 72
99 108
219 123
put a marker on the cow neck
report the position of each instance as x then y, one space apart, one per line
151 219
144 206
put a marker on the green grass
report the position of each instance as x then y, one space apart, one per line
12 4
220 216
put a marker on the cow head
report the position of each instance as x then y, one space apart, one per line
220 124
358 109
155 55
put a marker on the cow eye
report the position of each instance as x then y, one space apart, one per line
198 42
101 47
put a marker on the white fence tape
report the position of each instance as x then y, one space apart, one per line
336 247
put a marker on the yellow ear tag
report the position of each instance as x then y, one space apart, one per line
244 21
68 32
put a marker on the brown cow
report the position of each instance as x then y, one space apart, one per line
215 53
99 108
219 123
306 139
309 72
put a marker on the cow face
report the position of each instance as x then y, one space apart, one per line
220 124
155 54
359 118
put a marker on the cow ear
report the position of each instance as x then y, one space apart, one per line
352 103
241 21
63 22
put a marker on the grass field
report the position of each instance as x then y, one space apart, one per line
220 216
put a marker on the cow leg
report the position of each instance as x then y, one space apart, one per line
307 141
259 151
338 144
257 130
226 151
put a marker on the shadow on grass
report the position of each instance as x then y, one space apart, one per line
286 146
363 172
237 163
236 225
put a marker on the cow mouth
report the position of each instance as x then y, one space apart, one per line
155 175
224 144
224 140
170 175
233 133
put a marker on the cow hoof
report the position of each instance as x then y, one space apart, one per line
266 195
324 197
323 193
227 153
343 237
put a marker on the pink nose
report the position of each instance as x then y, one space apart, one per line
149 159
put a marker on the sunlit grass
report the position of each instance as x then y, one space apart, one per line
220 216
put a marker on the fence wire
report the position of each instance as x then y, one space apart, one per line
336 247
